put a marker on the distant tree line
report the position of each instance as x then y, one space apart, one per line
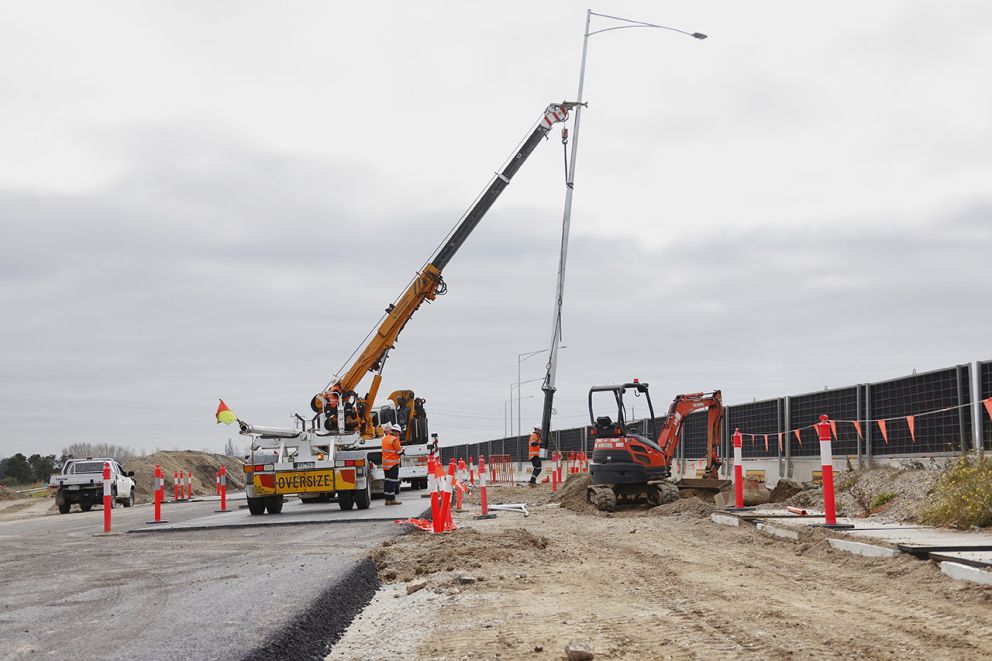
19 469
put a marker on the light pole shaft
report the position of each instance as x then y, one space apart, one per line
549 382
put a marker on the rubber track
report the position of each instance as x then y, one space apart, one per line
311 634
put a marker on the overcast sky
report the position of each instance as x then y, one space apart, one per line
217 199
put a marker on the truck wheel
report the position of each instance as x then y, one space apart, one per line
130 499
113 498
64 508
273 504
256 506
86 507
363 498
346 500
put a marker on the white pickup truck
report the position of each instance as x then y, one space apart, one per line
81 481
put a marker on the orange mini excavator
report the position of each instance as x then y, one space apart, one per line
626 465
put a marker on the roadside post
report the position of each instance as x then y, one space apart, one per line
223 489
447 521
738 469
108 499
827 468
471 469
432 490
558 459
482 490
175 486
159 494
189 485
554 474
217 480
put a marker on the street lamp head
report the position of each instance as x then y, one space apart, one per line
698 35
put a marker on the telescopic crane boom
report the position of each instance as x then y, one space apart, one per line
341 394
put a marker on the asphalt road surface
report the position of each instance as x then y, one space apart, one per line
68 592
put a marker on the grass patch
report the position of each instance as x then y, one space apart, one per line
963 496
882 498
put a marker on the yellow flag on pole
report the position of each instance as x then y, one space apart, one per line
225 414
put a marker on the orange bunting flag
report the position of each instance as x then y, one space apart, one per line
857 426
798 437
885 433
766 442
911 421
988 406
780 441
833 428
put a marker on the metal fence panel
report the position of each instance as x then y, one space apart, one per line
805 410
919 393
985 390
757 418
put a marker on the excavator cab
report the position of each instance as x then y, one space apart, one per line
610 398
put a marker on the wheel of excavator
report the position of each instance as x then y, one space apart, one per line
661 493
602 497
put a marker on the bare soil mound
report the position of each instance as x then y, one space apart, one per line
572 495
202 465
417 555
883 493
784 490
691 508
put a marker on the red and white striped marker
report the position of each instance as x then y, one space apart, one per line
182 484
482 490
108 498
159 486
558 461
223 488
432 490
175 485
471 470
217 476
827 466
738 470
189 485
449 484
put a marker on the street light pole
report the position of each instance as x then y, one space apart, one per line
552 368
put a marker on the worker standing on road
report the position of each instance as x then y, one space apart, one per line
534 454
391 452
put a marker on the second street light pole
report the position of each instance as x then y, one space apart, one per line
552 368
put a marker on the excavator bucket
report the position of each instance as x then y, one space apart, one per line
713 486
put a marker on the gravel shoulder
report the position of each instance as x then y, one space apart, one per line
647 585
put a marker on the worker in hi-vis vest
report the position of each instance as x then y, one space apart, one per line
391 453
534 454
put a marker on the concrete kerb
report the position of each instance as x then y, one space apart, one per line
961 572
776 531
860 548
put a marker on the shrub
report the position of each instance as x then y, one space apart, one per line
882 498
963 495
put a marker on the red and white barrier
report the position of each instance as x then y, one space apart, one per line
558 459
159 487
827 466
108 497
189 485
432 488
446 521
223 488
175 485
482 491
554 472
738 470
217 476
471 470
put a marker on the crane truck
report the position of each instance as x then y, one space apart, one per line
626 465
338 450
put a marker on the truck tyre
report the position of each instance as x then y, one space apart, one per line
130 499
256 506
273 504
113 498
363 498
86 507
64 508
346 500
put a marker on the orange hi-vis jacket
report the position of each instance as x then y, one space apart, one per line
390 451
533 445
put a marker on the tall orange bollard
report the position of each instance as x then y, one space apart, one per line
827 468
449 523
738 472
471 470
482 490
223 489
189 485
175 486
432 489
159 495
108 498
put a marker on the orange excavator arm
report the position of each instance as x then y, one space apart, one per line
671 433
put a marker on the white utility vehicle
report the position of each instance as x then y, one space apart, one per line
81 482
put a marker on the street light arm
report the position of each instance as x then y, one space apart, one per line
640 24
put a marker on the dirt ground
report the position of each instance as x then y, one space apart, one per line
655 584
203 466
